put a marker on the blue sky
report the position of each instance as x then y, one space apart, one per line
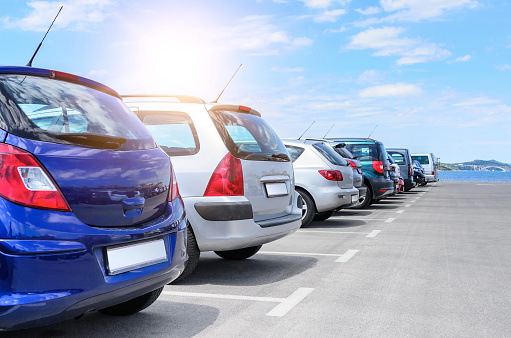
433 75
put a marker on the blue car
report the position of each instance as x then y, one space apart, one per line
90 212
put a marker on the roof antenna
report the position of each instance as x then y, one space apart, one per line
306 130
329 130
216 101
29 64
372 131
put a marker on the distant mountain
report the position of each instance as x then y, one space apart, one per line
486 163
491 165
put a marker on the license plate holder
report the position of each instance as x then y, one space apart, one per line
124 258
276 189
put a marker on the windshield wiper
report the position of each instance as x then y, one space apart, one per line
94 140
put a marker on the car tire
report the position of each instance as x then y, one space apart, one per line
133 306
239 254
323 216
424 183
192 249
365 201
308 208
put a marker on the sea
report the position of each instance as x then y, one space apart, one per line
478 176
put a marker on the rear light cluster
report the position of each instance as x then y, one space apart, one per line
24 181
409 169
352 164
174 189
331 175
378 166
227 179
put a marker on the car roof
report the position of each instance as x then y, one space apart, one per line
61 76
353 139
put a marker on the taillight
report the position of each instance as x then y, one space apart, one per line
174 189
409 169
432 173
24 181
359 171
378 166
331 175
227 179
352 164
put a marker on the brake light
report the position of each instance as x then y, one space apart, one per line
352 164
378 166
247 109
24 181
174 189
64 76
331 175
432 173
409 169
227 179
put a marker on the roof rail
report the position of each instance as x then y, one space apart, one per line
181 98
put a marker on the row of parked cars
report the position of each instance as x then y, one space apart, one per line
105 199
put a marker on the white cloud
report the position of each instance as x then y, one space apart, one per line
387 41
416 10
477 101
504 67
391 90
324 3
76 14
302 42
465 58
369 10
339 30
287 70
96 73
370 76
330 16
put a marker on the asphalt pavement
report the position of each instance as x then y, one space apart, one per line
432 262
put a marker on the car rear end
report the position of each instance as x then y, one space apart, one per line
403 158
90 210
358 178
428 163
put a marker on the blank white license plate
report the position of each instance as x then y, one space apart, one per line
276 189
134 256
354 198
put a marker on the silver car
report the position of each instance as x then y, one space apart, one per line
234 173
323 178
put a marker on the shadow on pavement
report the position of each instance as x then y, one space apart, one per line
336 223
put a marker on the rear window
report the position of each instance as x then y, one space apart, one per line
61 112
174 132
364 152
294 152
421 159
329 153
398 157
249 137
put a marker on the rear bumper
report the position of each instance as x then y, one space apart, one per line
332 197
381 187
409 183
431 178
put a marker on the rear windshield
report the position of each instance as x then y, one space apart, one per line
55 111
421 159
398 157
364 152
329 153
344 152
174 132
249 137
294 152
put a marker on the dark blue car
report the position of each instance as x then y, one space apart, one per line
90 212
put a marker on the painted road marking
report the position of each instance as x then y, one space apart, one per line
358 217
412 201
332 232
486 184
347 256
399 211
341 258
389 220
373 233
417 197
407 205
286 304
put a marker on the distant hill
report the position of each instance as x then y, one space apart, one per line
490 165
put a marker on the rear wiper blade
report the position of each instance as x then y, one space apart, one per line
94 140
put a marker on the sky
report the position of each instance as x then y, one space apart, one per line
428 75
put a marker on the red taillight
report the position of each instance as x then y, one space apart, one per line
378 166
247 109
174 189
227 179
432 173
64 76
359 171
409 169
331 175
352 164
24 181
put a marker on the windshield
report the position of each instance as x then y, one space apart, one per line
61 112
422 159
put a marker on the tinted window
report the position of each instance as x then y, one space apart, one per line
46 110
364 152
294 152
249 137
330 154
398 157
173 131
421 159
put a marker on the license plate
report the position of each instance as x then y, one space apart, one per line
276 189
129 257
354 198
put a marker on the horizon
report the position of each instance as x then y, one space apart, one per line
431 75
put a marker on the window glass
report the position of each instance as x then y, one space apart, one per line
294 152
364 152
398 157
329 153
173 131
421 159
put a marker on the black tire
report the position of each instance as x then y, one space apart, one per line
308 208
366 199
239 254
323 216
133 306
192 249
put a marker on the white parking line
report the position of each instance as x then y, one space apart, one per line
407 205
389 220
400 211
412 201
486 184
347 256
417 197
373 233
333 232
341 258
286 304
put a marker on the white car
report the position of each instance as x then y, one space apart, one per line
324 178
430 165
234 173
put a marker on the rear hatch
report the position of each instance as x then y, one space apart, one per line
97 151
332 157
267 168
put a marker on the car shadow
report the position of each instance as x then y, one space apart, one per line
336 223
163 318
260 269
353 212
381 206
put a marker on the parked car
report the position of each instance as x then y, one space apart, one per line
395 174
322 177
430 165
64 141
403 158
418 174
234 174
373 156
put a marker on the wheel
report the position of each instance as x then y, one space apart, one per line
133 306
424 183
192 249
323 216
308 208
364 200
239 254
395 190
